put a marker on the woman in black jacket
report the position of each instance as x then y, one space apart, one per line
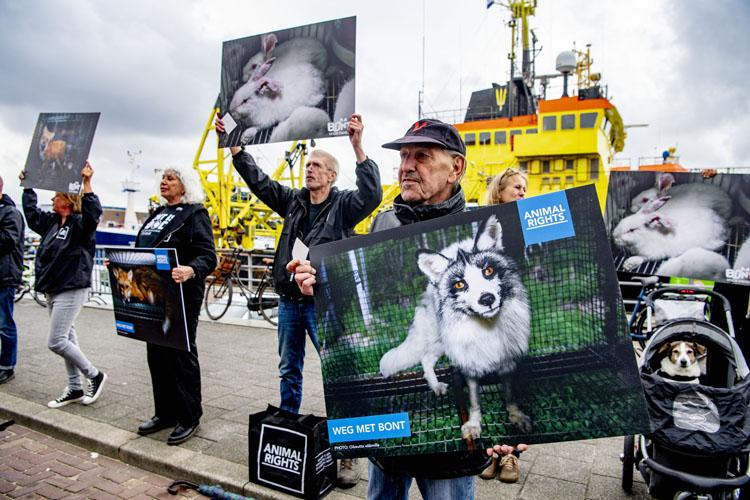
63 266
183 224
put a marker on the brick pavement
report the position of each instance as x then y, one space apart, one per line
238 367
33 465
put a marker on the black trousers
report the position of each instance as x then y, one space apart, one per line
176 380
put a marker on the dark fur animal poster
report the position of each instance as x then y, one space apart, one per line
59 149
148 303
502 324
289 84
680 224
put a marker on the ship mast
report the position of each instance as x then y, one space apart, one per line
520 10
130 186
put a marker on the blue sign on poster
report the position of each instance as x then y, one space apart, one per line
545 218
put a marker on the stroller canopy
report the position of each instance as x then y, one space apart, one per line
709 418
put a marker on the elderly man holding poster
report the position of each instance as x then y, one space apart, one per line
318 213
432 165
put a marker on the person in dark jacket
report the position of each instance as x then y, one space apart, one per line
181 223
432 165
318 213
63 266
11 270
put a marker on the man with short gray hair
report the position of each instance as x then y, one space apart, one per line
318 213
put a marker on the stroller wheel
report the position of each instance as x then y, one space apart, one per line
628 461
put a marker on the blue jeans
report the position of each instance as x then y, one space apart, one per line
383 486
8 332
296 322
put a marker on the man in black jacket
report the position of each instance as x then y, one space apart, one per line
318 213
432 165
11 270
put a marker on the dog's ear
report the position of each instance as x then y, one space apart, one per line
432 264
490 235
665 347
699 350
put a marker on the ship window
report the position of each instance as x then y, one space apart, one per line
484 138
523 166
531 131
568 122
515 132
569 164
470 139
545 166
500 137
549 123
588 120
569 181
594 162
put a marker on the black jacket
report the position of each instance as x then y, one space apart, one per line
340 213
444 465
192 237
65 257
11 243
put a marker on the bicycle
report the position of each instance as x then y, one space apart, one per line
27 287
220 290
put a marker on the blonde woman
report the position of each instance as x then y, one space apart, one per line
63 266
507 187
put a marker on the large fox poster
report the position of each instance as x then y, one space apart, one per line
499 325
59 149
680 224
148 303
290 84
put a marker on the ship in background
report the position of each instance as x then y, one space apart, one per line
119 226
559 143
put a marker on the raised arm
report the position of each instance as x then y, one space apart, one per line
37 219
358 204
91 207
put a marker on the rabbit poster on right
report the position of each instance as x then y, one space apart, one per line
680 224
290 84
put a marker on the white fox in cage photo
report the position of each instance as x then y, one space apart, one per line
476 312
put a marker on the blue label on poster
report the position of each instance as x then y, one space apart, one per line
162 259
124 327
545 218
391 425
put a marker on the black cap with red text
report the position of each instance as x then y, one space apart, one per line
430 131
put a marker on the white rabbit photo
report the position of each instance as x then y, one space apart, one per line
677 224
290 84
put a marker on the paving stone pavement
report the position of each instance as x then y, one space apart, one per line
239 377
33 465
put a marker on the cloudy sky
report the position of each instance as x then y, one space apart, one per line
152 69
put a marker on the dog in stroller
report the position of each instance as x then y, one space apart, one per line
699 443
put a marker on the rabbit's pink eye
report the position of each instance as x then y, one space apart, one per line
644 199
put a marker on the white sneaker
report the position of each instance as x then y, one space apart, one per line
68 396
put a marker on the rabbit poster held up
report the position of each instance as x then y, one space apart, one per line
679 224
290 84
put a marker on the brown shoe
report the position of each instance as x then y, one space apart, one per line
509 469
349 473
491 471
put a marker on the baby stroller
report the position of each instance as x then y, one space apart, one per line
699 444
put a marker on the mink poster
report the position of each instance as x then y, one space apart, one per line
59 149
148 303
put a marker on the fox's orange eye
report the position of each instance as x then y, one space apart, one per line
489 271
459 285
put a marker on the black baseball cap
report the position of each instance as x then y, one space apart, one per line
431 131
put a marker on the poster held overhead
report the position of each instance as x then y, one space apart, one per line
59 149
503 324
289 84
148 304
